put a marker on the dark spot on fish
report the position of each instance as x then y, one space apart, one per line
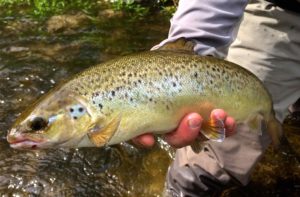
113 93
130 75
33 146
100 105
139 81
75 117
174 84
80 109
71 110
131 99
213 68
150 99
195 74
94 102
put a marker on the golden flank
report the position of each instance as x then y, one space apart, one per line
151 91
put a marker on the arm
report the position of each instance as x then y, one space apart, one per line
212 24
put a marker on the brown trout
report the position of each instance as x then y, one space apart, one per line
150 91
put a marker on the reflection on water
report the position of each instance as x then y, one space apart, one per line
36 55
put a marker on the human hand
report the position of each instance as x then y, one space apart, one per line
188 130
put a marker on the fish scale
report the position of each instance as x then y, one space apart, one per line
149 91
162 76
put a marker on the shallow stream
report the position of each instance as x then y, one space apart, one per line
37 54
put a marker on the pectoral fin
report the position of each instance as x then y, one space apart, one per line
101 136
214 129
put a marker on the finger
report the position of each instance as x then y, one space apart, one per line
218 114
230 124
145 140
187 131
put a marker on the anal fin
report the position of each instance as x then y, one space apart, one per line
256 122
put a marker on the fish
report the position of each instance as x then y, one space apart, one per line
125 97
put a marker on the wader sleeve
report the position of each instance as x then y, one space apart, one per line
192 181
212 24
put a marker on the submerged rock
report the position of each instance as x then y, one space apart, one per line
66 22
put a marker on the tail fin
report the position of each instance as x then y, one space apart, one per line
275 130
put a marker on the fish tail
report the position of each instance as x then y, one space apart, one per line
274 129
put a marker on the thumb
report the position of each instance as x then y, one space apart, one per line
187 131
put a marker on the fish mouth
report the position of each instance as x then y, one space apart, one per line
22 142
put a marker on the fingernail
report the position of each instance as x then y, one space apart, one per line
194 123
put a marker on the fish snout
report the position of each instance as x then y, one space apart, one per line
12 137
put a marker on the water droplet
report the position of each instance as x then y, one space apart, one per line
52 179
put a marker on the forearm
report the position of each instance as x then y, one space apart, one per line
212 24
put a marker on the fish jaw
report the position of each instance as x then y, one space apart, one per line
24 144
20 141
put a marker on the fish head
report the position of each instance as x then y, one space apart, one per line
56 120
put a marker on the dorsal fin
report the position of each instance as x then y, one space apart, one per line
181 44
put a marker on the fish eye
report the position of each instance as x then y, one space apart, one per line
38 123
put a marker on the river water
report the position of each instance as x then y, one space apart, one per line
37 54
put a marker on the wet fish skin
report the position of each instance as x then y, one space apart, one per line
149 91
